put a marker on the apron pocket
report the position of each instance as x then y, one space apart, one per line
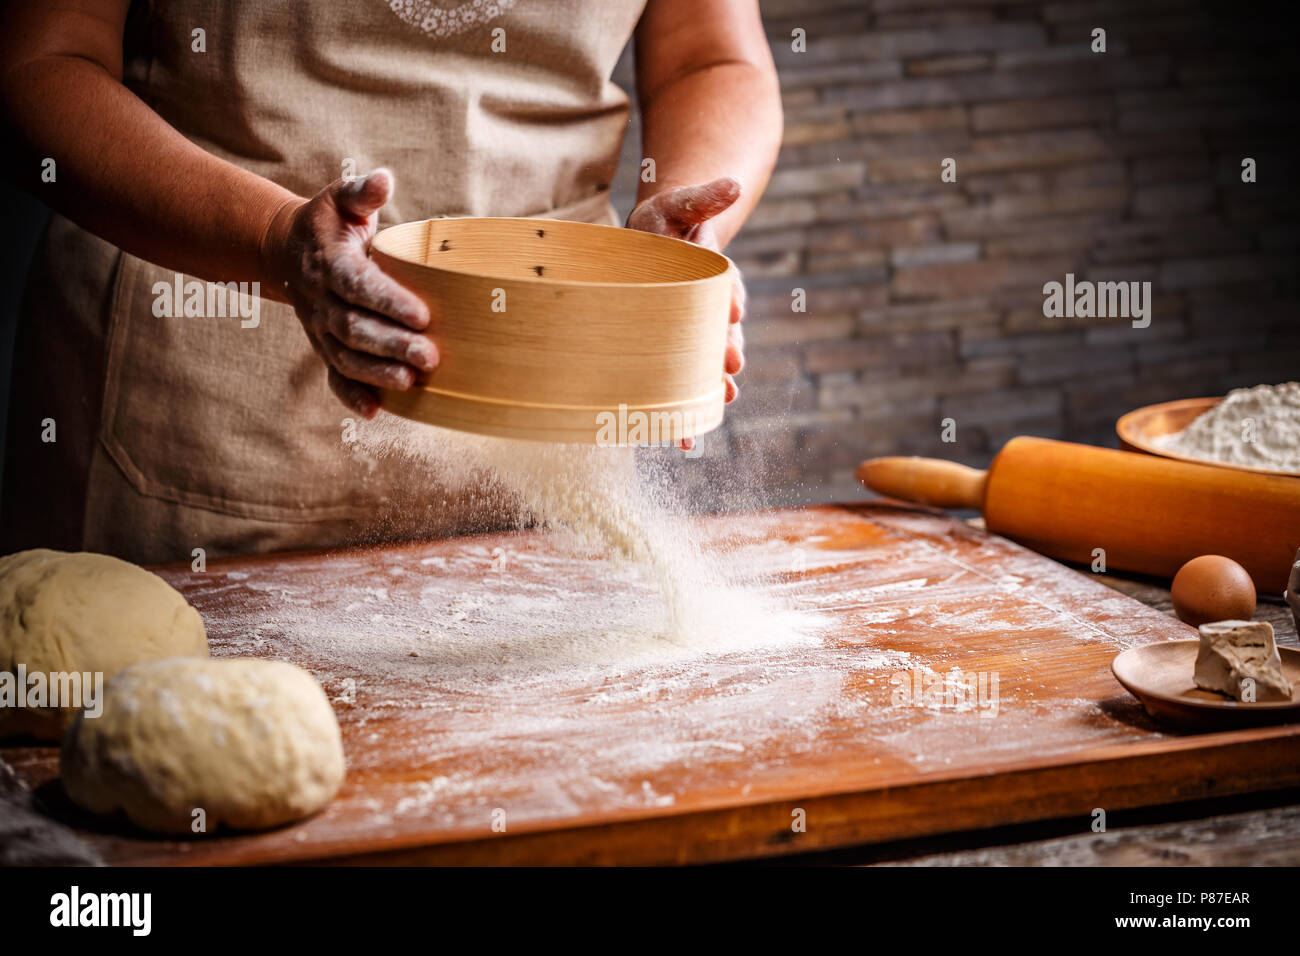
203 411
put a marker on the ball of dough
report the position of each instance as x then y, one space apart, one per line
252 743
82 613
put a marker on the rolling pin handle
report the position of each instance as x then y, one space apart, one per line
927 481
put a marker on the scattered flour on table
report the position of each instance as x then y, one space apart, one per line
527 679
1259 427
538 620
601 500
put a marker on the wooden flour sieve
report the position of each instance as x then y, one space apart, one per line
560 331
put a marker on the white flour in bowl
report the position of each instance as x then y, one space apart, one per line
1259 427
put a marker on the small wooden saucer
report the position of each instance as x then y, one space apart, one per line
1160 676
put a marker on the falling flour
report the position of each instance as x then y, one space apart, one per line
600 497
1259 427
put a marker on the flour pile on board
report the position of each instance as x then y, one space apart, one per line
1259 427
595 494
471 615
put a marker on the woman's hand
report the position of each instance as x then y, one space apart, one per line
362 323
684 213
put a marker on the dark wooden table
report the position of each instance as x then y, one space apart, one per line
1259 828
1254 830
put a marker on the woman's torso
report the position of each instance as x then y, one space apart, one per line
205 431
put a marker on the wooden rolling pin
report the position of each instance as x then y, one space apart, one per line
1150 514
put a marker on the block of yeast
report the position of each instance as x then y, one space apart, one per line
1240 659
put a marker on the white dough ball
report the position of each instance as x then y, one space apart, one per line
63 613
252 743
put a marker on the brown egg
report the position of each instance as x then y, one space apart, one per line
1213 588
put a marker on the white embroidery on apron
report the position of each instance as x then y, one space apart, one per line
436 21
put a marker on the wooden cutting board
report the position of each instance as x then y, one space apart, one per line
449 729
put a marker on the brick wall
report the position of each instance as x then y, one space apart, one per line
924 298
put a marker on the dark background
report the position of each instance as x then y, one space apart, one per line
925 298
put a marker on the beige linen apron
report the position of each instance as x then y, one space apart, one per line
175 433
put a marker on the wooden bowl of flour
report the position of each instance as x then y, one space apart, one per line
563 331
1138 429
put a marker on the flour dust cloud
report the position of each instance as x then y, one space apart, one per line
601 500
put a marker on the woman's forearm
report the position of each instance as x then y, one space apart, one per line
720 120
124 174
